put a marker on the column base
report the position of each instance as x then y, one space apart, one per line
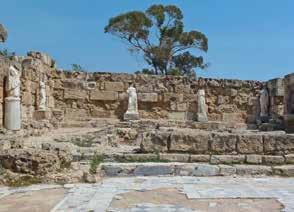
131 116
202 118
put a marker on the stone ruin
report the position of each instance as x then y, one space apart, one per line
130 117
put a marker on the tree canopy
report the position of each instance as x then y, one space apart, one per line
158 33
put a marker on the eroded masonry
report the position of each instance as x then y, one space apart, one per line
226 124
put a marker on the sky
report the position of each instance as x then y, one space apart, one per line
252 39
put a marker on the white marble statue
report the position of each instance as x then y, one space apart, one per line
12 115
13 84
264 102
201 113
132 112
42 102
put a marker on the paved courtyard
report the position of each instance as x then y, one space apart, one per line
157 194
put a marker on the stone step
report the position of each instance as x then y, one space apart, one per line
250 159
190 169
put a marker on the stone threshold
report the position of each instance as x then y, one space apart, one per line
191 169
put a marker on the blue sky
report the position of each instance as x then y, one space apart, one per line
252 39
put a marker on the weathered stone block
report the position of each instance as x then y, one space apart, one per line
27 98
199 158
226 170
173 97
254 159
189 141
273 159
177 115
279 144
114 86
223 143
104 95
75 94
289 158
42 115
232 117
153 170
253 170
198 170
154 141
250 144
286 170
175 157
227 159
148 97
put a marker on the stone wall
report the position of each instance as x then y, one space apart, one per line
35 67
82 96
289 102
95 95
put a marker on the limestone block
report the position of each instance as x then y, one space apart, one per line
177 115
226 170
250 144
104 95
114 86
232 117
199 158
148 97
285 170
273 159
189 141
254 159
42 115
173 97
140 157
290 158
27 98
154 170
279 144
175 157
75 94
75 114
253 170
198 170
227 159
223 143
154 141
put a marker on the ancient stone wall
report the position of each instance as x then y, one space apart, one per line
95 95
35 67
83 96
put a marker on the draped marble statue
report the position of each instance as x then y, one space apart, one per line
12 116
42 102
264 103
132 112
13 83
202 108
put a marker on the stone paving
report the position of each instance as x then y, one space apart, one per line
99 197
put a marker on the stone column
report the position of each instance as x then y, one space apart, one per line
202 107
132 112
12 114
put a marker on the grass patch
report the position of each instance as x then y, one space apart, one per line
94 163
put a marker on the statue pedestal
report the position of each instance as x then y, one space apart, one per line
202 117
12 116
131 116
